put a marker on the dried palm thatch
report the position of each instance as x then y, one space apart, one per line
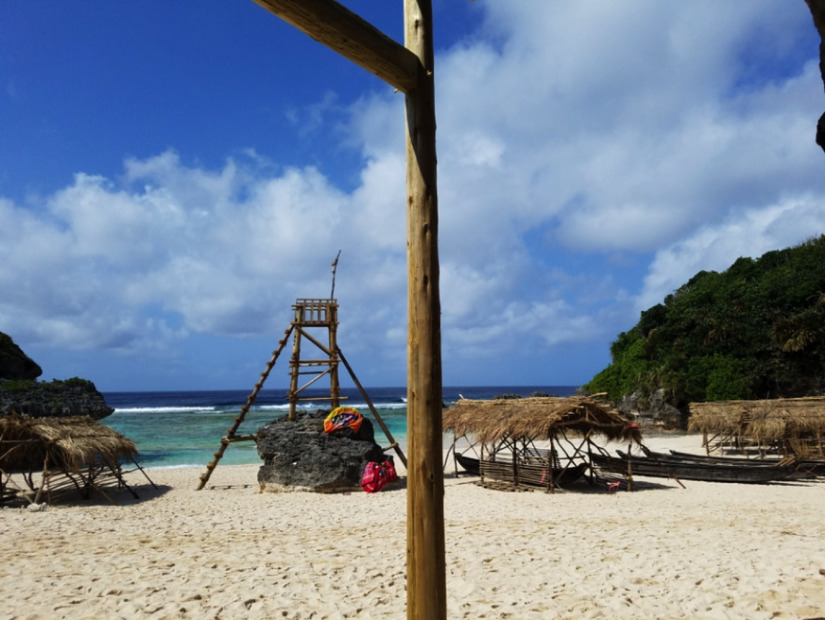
504 430
71 443
490 421
69 453
797 425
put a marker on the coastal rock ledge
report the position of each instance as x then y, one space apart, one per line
57 399
653 411
20 392
299 456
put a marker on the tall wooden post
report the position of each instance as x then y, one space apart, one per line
410 70
294 363
334 384
426 573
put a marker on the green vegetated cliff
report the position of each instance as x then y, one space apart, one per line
756 330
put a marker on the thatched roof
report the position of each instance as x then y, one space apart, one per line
762 420
70 442
536 418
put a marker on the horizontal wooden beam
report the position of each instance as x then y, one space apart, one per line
343 31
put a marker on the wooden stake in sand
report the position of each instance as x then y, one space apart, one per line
410 70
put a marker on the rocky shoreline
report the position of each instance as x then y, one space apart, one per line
20 391
653 411
72 397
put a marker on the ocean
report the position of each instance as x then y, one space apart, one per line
184 429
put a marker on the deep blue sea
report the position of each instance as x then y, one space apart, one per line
178 429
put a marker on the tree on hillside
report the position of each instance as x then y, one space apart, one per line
756 330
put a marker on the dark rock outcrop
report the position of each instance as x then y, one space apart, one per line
299 456
14 364
651 412
72 397
817 8
21 393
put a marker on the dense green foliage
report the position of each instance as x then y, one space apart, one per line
18 386
755 331
56 385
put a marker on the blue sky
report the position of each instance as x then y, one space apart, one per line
174 175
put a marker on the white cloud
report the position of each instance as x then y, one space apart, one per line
646 133
750 233
569 133
379 214
176 249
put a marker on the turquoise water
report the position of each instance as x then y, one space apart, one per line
184 429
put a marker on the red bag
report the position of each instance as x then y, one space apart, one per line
376 475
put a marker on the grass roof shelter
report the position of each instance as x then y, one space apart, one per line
67 452
789 426
503 433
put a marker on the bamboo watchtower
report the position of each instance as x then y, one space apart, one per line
310 317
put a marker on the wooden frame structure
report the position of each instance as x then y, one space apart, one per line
505 432
789 426
308 316
408 68
53 455
312 314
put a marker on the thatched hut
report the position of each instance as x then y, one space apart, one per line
503 433
789 426
65 452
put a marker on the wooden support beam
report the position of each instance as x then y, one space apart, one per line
410 70
426 572
343 31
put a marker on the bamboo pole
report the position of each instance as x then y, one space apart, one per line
204 478
334 385
393 443
294 363
426 572
44 481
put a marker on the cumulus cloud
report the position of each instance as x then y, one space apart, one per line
625 128
750 232
645 133
592 157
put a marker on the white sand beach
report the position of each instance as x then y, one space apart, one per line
706 551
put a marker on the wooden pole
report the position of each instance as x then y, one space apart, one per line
393 443
334 385
408 68
230 433
426 573
295 362
345 32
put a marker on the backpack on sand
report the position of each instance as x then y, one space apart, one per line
376 475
